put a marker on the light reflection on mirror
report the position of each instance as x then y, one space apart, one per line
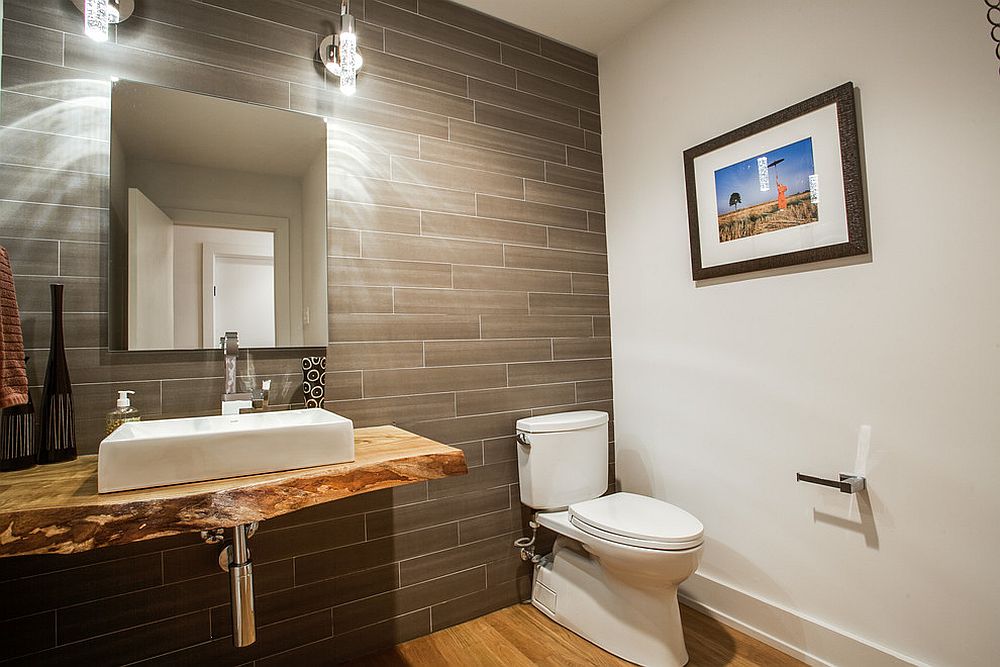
218 222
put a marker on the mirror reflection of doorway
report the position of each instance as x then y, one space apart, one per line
239 295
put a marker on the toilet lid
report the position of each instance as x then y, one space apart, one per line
628 518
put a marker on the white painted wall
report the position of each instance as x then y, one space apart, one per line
151 275
723 392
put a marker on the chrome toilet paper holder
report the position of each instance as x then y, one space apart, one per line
846 483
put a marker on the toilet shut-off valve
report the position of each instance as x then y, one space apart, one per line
527 544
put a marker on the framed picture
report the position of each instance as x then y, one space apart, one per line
781 191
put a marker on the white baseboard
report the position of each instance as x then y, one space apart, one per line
809 640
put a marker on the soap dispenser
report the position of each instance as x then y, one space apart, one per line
123 413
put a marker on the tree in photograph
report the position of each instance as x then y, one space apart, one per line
735 200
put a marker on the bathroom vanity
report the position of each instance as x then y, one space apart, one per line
56 509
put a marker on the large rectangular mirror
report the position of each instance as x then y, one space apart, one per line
218 222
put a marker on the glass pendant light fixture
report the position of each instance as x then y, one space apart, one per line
100 15
340 52
95 20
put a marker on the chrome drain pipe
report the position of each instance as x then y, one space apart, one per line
241 589
235 559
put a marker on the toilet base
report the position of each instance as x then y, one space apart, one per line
638 624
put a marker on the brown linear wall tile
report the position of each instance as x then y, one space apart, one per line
560 195
440 564
371 356
593 142
435 31
464 429
459 302
516 280
407 381
358 110
515 121
516 398
497 139
377 272
436 174
446 58
458 353
556 91
352 299
573 240
590 121
360 327
525 211
581 348
596 222
372 553
473 21
415 97
435 512
550 69
408 598
390 246
568 304
569 56
481 229
566 371
405 195
374 218
446 152
583 159
586 283
574 178
395 409
483 91
593 390
537 326
555 260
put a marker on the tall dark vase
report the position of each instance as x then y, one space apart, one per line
18 448
57 432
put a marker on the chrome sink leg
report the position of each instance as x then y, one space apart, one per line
236 559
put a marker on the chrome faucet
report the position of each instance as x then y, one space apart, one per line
260 402
232 401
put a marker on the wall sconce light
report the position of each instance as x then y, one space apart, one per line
340 52
99 15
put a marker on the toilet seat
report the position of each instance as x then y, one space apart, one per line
638 521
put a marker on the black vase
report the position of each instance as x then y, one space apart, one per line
17 436
57 431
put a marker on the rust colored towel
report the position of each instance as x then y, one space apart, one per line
13 378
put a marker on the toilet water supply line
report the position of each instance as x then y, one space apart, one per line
527 544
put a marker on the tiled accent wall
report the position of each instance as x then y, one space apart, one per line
468 288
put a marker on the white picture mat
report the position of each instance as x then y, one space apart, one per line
831 229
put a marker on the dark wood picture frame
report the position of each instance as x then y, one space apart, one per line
857 230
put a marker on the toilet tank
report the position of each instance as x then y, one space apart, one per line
562 458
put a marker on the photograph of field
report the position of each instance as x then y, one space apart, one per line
766 193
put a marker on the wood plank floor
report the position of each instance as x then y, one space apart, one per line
521 635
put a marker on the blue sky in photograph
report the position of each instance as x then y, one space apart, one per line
742 177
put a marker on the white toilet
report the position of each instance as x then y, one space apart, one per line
613 574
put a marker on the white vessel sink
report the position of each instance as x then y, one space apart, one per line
177 451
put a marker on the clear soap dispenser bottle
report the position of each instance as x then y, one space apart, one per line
123 413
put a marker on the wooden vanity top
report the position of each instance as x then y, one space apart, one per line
55 509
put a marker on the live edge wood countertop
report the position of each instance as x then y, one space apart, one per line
55 509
